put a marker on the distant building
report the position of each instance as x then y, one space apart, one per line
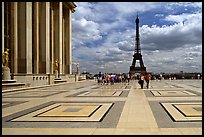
37 34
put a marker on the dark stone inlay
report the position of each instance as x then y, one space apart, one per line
94 110
95 88
32 95
114 93
12 103
194 86
109 120
157 92
148 93
72 110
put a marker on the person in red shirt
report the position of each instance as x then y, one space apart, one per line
147 79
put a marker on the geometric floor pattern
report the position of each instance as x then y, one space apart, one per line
177 114
68 112
174 106
61 114
186 111
176 93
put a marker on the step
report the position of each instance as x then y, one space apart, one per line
8 81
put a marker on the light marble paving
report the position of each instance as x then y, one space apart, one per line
136 117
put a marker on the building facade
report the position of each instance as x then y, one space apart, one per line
37 34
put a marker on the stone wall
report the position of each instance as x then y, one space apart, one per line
41 79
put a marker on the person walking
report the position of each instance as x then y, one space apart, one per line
112 79
128 78
141 81
99 78
147 79
107 78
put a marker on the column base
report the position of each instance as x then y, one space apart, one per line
56 74
6 73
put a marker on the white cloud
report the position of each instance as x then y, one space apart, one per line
85 31
172 5
186 18
173 36
185 4
83 10
134 7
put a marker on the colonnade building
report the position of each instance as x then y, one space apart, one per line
37 34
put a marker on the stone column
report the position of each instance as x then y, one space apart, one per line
70 42
2 29
51 41
25 37
55 33
36 37
60 35
29 37
15 34
5 69
21 38
63 43
44 37
47 37
13 38
66 40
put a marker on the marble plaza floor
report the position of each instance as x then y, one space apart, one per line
86 108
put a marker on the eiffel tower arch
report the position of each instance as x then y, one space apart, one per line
137 54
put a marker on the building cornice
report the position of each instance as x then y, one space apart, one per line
71 5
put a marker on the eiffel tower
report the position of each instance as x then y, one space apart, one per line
137 54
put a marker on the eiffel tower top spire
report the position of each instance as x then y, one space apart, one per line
137 38
137 19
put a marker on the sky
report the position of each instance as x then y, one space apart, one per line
103 36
